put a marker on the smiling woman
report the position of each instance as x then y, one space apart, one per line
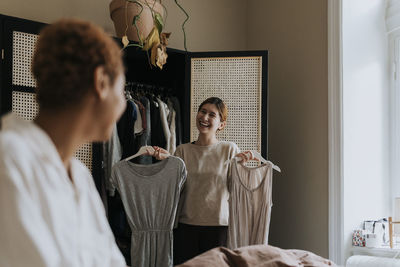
211 116
203 221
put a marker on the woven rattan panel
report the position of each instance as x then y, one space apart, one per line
237 81
25 106
23 48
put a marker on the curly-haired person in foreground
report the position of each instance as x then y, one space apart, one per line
50 212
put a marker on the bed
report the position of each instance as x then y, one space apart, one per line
257 255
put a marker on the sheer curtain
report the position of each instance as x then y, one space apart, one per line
392 15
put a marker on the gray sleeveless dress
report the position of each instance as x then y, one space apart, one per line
150 195
250 203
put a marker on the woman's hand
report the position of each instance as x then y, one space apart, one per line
159 153
246 156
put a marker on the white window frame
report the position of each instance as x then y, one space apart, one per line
394 57
335 113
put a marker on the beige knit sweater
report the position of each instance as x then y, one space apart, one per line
205 195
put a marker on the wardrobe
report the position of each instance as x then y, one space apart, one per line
240 78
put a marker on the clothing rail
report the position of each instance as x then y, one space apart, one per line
137 87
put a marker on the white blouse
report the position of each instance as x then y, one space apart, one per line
45 219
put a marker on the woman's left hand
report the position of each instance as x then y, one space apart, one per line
246 156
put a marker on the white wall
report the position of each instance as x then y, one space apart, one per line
365 114
213 25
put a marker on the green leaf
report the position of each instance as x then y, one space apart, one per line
135 19
158 21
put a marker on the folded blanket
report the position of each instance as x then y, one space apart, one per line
258 255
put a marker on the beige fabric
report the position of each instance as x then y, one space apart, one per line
172 127
205 194
164 112
249 204
258 255
172 138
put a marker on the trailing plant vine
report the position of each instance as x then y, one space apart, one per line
157 40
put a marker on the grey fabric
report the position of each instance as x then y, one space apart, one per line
172 127
164 113
150 194
178 123
144 139
112 153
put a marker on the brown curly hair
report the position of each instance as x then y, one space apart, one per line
66 56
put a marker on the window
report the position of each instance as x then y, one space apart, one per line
394 58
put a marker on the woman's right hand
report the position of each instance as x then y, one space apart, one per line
159 153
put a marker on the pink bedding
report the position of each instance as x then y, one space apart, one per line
257 255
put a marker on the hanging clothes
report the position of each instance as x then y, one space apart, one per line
164 113
250 204
178 123
125 127
138 126
142 112
172 127
150 194
157 136
116 212
144 138
112 153
141 103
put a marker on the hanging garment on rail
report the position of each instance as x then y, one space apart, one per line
150 194
138 127
112 153
250 204
172 127
144 138
164 113
125 127
142 112
116 213
152 134
178 124
157 132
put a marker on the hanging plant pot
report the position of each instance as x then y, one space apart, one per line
123 14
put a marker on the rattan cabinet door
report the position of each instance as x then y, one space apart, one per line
240 79
18 85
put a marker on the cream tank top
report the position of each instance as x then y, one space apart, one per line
250 204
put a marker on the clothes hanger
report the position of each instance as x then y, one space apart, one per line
257 156
143 150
